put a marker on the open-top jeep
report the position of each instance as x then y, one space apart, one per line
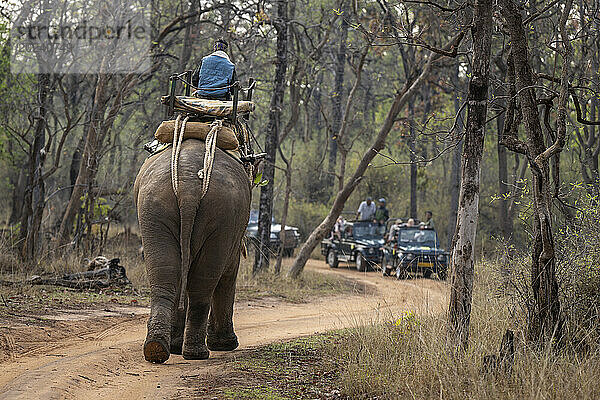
360 242
414 249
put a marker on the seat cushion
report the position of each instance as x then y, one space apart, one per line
226 139
216 108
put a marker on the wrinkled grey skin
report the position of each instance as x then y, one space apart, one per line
209 234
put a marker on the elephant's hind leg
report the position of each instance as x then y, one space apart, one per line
206 275
221 336
158 338
194 338
177 330
162 267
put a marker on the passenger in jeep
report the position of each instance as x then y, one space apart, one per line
381 214
428 223
392 235
215 74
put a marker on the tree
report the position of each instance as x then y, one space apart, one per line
546 322
261 260
454 182
338 93
463 258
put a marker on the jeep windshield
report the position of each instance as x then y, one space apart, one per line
368 230
417 237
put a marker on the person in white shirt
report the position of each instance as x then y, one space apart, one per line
338 228
366 210
394 229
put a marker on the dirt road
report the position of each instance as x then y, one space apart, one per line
101 357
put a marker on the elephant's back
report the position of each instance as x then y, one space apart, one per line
229 187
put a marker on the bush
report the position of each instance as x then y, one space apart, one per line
408 357
578 270
577 253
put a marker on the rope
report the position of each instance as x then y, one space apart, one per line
176 151
209 155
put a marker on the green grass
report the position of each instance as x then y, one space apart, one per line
288 370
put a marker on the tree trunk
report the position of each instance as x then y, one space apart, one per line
413 161
186 49
343 128
463 258
455 171
19 183
546 322
284 213
34 201
336 97
261 260
317 118
87 168
505 225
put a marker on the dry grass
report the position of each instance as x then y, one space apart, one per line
310 284
25 299
409 358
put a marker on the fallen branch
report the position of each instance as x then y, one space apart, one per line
111 275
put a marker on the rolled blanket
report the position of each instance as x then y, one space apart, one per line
226 139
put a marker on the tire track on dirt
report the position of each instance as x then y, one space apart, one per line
108 362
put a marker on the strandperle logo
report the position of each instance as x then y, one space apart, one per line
80 32
68 36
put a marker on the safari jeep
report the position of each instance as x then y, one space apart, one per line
360 242
414 250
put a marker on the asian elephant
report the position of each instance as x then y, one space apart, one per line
202 234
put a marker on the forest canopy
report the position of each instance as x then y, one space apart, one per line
71 143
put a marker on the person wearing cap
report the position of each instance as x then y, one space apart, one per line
428 223
366 210
381 214
215 74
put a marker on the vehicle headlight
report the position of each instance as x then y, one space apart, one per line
441 258
371 250
274 236
410 256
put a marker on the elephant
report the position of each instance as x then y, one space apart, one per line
194 236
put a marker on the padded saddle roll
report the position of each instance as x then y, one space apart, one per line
226 139
215 108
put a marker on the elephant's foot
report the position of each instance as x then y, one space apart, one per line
195 352
176 346
156 351
222 343
177 332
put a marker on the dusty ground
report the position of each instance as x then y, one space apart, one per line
97 354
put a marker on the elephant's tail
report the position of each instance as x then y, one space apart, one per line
187 215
